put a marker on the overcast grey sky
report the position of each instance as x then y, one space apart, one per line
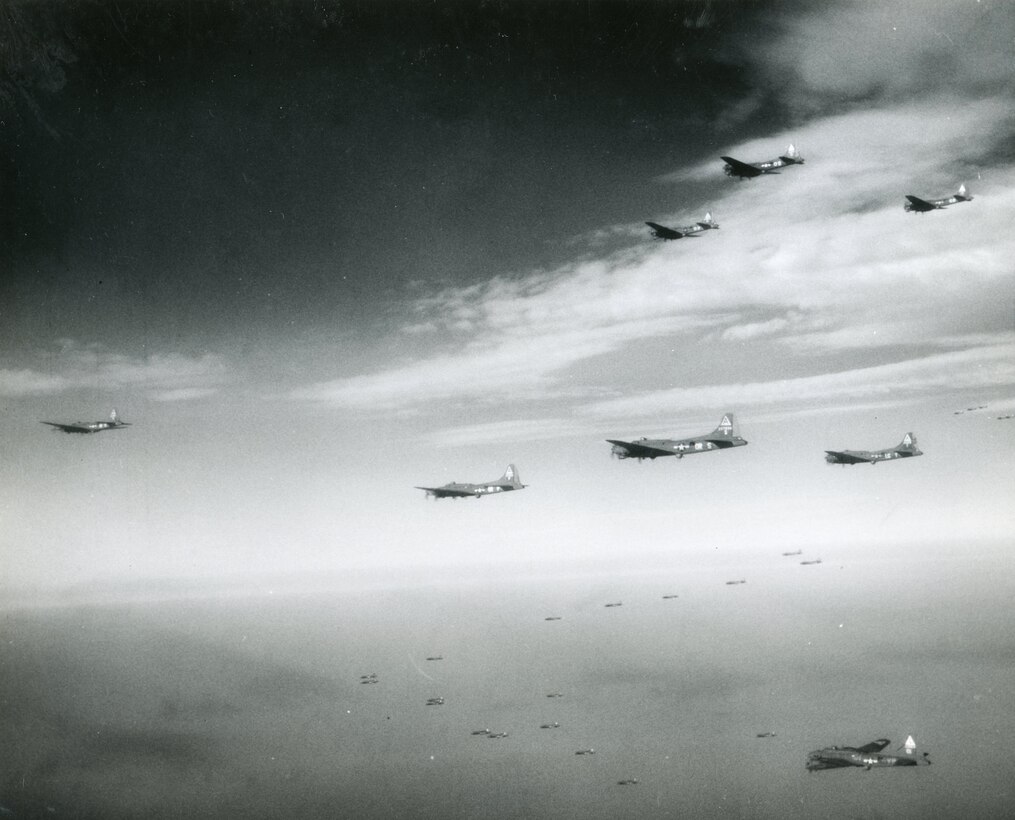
319 254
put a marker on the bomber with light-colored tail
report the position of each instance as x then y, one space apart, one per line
722 438
507 482
866 757
114 423
921 206
906 449
749 170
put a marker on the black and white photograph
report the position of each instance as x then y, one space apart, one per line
507 409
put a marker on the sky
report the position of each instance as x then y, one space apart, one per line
318 254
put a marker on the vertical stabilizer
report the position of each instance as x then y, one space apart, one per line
909 745
112 416
726 425
511 476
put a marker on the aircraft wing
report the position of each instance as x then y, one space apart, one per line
662 232
816 764
846 457
921 204
637 450
874 745
444 492
742 169
68 428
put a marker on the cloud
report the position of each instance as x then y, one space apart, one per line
17 383
890 50
170 376
499 432
980 367
820 262
184 394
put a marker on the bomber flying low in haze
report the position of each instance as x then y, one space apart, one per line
906 449
508 481
114 423
722 438
865 757
921 206
666 234
748 170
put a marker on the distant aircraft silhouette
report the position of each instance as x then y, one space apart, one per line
666 234
507 482
921 206
866 757
749 170
907 449
114 423
723 437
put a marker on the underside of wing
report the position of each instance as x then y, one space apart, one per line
662 232
444 492
847 457
819 765
640 450
920 204
68 428
741 169
874 745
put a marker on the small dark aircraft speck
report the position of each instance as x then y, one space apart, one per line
508 481
865 757
722 438
921 206
907 449
749 170
797 552
666 234
808 563
114 423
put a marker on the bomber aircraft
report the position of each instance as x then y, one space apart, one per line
748 170
921 206
114 423
866 757
666 234
722 438
907 449
508 481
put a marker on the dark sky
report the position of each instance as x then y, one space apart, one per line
302 159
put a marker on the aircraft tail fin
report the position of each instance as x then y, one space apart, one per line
708 221
113 417
727 426
963 193
511 477
792 155
908 444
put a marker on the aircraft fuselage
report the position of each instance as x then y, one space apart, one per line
659 448
837 758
